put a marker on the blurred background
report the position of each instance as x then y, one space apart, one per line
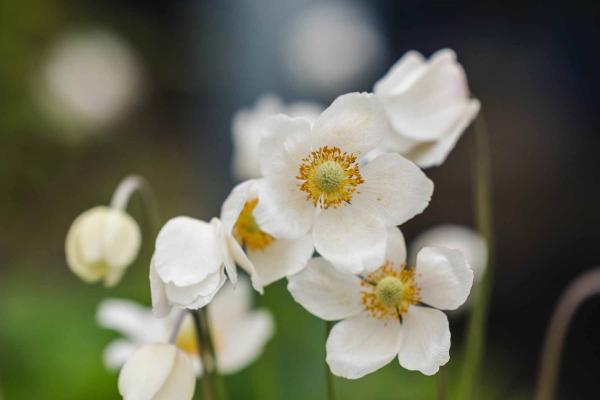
93 91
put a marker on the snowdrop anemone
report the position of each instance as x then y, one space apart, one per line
463 238
157 372
101 243
187 268
239 333
271 258
314 183
391 312
428 104
248 126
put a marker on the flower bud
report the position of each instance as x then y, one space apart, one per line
157 372
101 243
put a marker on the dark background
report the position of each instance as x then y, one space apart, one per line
533 65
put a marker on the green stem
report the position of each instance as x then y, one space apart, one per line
577 292
212 385
442 384
484 221
329 380
137 184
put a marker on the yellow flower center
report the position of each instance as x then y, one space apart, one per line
389 292
246 230
329 177
186 340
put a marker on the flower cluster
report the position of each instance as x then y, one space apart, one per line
336 182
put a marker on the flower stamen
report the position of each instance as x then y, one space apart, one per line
389 291
329 177
246 230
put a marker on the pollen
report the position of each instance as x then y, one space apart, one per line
186 339
246 230
388 292
329 177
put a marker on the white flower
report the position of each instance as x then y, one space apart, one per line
239 333
331 46
462 238
391 312
265 257
428 104
90 79
249 124
313 183
101 243
186 270
157 372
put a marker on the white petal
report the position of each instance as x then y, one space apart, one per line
444 277
350 237
185 295
122 239
117 352
395 248
433 102
230 304
285 143
283 210
181 382
233 205
244 262
281 258
131 319
326 292
401 75
146 371
425 344
244 341
354 122
223 234
458 237
432 154
75 256
160 304
360 345
91 234
187 251
247 130
394 188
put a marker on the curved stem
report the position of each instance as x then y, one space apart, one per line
482 195
127 188
177 326
581 289
328 375
442 384
213 388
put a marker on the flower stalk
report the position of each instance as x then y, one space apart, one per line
330 384
212 387
576 294
137 184
476 328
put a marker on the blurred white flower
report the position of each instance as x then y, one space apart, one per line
314 184
391 312
265 257
428 104
101 243
90 79
462 238
157 372
248 126
187 268
239 333
331 46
